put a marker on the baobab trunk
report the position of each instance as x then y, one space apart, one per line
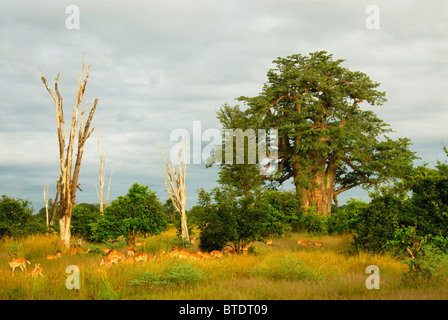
319 193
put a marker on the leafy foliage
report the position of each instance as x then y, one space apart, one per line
421 199
16 219
138 212
326 143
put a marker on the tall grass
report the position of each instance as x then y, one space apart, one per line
281 271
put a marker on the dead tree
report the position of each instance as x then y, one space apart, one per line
69 181
46 205
56 201
102 175
177 191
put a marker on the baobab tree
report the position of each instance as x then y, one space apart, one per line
69 179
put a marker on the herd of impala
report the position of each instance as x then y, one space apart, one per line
114 257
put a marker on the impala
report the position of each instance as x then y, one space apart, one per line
52 257
304 243
204 255
109 261
184 253
139 243
129 260
18 262
269 242
228 251
318 244
217 254
76 250
131 252
195 256
36 271
141 257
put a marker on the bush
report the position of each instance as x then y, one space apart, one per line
283 211
139 212
175 274
421 199
83 216
16 218
313 222
230 219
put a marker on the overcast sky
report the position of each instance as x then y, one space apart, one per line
158 66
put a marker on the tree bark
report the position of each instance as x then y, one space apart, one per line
69 183
176 188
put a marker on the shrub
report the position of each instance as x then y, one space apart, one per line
16 218
230 219
139 212
313 222
175 274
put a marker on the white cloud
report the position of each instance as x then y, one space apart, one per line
160 65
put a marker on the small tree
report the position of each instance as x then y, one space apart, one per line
69 180
138 212
231 220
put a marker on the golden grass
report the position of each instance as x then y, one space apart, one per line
281 271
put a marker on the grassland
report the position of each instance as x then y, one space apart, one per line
283 271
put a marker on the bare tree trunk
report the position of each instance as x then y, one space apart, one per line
102 175
46 205
177 192
56 201
69 183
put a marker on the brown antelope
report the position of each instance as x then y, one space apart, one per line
18 262
77 250
195 256
217 254
318 244
204 255
228 251
304 243
141 257
246 249
139 243
129 260
109 260
105 250
269 242
131 252
184 253
52 257
193 240
36 271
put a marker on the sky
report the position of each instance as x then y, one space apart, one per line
159 66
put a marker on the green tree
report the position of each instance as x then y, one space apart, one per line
419 200
138 212
17 219
326 142
231 219
84 214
